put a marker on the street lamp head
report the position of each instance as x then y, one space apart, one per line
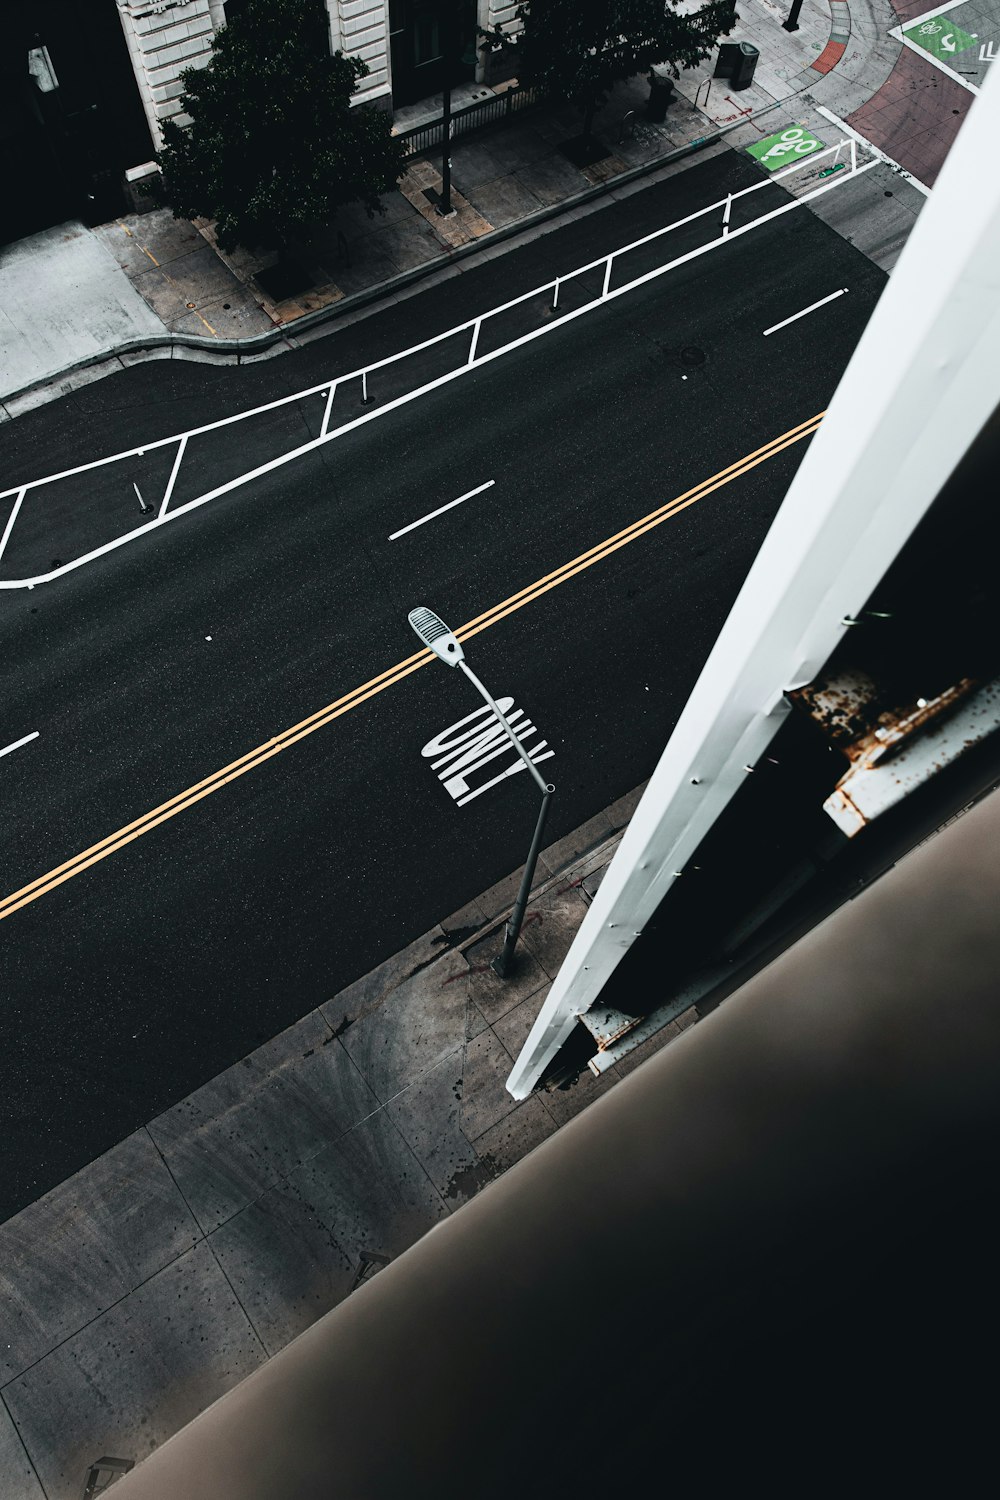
434 633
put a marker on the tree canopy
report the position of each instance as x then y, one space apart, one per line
577 49
274 145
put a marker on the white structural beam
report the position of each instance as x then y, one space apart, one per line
923 380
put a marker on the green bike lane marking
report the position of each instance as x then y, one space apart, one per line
943 40
957 51
785 147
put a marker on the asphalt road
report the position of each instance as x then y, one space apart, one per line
148 671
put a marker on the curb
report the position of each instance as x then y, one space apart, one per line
200 348
840 35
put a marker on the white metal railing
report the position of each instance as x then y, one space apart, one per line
329 388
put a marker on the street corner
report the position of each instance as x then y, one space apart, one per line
106 308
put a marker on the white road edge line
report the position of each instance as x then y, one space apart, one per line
863 140
937 10
441 510
936 62
397 401
928 15
811 308
18 743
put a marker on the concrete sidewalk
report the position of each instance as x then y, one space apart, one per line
153 1280
148 285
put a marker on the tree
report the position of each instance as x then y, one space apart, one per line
577 49
274 145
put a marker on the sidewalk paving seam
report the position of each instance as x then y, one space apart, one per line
206 1237
89 1322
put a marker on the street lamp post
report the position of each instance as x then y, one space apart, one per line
792 24
444 207
448 30
434 633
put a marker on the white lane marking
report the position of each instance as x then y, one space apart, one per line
441 510
173 477
811 308
432 385
18 743
12 517
928 15
935 61
862 140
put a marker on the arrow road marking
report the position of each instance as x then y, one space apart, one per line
441 510
18 743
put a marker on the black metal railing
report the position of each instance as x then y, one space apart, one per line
495 110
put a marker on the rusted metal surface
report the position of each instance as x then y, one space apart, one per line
899 756
607 1025
645 1028
891 750
894 729
840 705
851 711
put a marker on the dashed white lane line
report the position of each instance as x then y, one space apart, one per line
811 308
18 743
441 510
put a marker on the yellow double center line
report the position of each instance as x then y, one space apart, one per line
389 678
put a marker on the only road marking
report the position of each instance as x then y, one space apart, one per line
460 750
323 716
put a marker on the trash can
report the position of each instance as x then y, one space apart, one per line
725 63
737 60
661 90
745 65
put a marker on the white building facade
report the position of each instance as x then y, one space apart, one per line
400 40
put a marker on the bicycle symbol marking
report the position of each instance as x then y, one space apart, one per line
793 140
929 28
